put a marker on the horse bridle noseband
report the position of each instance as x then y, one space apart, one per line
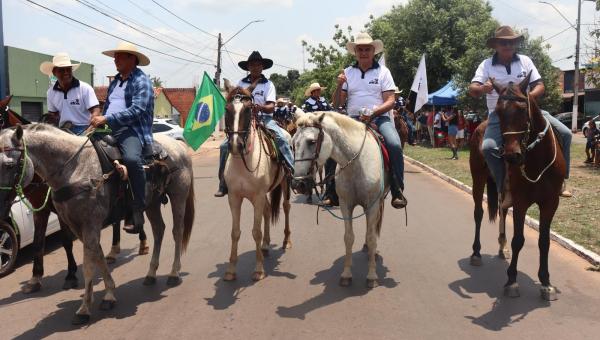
312 160
245 134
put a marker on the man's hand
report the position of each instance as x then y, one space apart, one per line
487 87
97 121
256 108
341 79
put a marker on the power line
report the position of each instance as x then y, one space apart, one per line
557 34
180 18
114 36
280 65
85 3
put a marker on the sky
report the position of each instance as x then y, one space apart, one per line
285 24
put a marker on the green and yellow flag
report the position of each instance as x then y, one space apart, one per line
204 115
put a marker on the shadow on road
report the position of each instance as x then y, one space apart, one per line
53 284
333 293
129 297
226 293
490 279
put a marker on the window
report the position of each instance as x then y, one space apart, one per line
160 128
32 111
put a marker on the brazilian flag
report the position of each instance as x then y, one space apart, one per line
204 115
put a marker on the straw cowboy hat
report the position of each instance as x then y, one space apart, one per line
364 39
255 56
281 100
126 47
397 90
59 60
503 33
312 87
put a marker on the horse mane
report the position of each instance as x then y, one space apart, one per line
343 121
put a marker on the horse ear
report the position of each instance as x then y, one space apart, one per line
524 84
4 102
228 86
496 86
297 113
321 117
18 136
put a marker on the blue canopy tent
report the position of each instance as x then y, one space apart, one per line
445 96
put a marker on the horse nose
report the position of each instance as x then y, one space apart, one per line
515 158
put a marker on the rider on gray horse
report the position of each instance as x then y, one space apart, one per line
263 97
129 112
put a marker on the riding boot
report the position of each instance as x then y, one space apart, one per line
138 222
398 199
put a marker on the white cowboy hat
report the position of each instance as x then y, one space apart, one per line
397 90
59 60
364 39
312 87
126 47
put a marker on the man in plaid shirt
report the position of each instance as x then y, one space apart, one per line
129 112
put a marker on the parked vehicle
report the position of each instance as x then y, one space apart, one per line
587 124
168 127
17 233
567 117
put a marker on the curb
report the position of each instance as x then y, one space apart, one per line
566 243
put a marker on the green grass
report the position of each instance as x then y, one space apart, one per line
577 218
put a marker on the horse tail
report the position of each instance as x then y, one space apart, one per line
379 222
188 217
275 201
492 195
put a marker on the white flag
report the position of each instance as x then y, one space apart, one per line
419 85
382 60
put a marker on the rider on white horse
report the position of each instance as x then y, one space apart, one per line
263 96
369 90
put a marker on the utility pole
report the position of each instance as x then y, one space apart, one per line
576 80
218 71
3 66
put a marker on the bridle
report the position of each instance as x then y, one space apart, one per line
525 148
245 134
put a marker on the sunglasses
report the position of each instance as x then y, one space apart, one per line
506 43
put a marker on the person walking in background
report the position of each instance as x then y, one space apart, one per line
590 147
430 118
451 119
460 136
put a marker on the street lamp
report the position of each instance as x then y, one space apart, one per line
577 28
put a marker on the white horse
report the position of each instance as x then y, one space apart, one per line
360 176
251 173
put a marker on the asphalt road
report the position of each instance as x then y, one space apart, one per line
427 288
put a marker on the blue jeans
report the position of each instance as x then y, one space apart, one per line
132 151
78 129
280 141
392 142
492 141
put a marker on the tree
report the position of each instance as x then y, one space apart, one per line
285 84
156 82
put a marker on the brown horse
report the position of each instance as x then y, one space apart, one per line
536 170
401 127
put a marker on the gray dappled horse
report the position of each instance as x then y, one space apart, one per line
67 161
360 177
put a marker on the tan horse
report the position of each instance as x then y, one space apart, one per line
251 173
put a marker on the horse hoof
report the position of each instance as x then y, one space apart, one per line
80 319
476 261
70 284
149 281
144 250
229 277
504 254
512 290
29 288
345 281
548 293
257 276
110 260
372 283
286 245
107 305
365 248
173 281
265 252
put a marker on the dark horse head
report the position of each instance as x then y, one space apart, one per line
238 118
518 113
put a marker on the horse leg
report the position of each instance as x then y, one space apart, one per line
260 204
235 205
266 242
144 248
503 251
116 244
287 242
511 288
71 281
373 220
346 277
40 222
478 188
158 230
547 291
178 210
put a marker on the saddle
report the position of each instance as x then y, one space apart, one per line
268 142
384 151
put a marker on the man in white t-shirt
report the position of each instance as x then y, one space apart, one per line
367 88
263 97
70 100
507 66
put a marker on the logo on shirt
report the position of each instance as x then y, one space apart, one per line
259 93
523 74
374 81
74 101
